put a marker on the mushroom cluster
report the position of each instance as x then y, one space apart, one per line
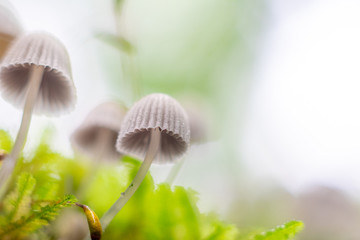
155 129
35 75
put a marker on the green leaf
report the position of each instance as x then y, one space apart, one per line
118 4
213 228
18 202
118 42
283 232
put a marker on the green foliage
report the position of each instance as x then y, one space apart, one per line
118 42
214 228
18 202
21 216
156 211
118 4
39 217
5 141
283 232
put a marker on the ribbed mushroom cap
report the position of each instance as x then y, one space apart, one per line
105 117
152 111
57 92
10 28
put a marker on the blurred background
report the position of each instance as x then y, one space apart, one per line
275 85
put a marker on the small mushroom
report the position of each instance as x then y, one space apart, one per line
96 137
35 75
155 128
10 28
199 122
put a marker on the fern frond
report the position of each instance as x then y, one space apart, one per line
37 219
283 232
17 203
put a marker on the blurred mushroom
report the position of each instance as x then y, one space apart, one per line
96 137
156 128
199 122
328 214
10 28
35 75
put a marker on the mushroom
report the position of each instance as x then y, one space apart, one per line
35 75
199 120
10 28
96 137
156 128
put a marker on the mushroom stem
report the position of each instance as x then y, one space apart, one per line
155 137
102 144
104 140
36 75
174 172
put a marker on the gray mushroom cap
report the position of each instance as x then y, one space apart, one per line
57 92
105 117
155 111
10 28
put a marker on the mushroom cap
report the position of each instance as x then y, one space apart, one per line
10 28
57 92
155 111
104 117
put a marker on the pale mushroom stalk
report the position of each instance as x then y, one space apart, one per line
155 140
33 87
96 137
103 141
174 172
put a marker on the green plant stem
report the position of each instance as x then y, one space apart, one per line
36 75
126 57
155 137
